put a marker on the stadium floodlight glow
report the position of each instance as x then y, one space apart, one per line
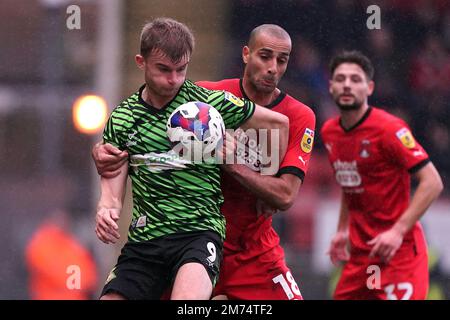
89 114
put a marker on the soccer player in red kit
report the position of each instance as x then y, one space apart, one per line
373 154
254 265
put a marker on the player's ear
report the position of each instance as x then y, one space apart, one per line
245 54
371 86
140 61
330 83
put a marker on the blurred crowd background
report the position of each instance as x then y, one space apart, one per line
49 187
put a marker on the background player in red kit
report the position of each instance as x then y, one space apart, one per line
254 265
373 154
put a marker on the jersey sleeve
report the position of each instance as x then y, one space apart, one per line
402 148
234 111
117 127
300 145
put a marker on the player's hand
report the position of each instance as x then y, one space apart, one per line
228 151
108 159
386 244
338 248
264 209
106 227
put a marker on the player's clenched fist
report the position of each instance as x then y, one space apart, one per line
228 151
262 208
106 227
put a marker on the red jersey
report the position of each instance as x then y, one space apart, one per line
372 162
244 227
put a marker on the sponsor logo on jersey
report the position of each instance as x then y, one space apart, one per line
406 137
307 141
347 174
157 162
248 151
232 98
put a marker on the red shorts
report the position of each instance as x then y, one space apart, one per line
257 273
404 278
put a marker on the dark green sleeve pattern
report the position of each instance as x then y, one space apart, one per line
117 127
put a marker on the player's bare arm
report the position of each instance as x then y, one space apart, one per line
430 186
108 159
110 206
338 250
266 119
278 192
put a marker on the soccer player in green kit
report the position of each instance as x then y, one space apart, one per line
177 231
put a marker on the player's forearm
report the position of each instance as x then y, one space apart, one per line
274 191
277 126
281 125
277 143
343 216
429 188
113 189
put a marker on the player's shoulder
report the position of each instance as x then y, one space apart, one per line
388 122
297 105
330 125
381 114
205 91
126 106
216 98
296 109
224 84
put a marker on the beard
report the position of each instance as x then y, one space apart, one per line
347 107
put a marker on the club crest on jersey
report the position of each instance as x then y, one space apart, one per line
307 141
405 136
232 98
364 146
141 222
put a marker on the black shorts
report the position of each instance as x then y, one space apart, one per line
145 270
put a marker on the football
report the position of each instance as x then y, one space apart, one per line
197 126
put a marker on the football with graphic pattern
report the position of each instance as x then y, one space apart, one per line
196 125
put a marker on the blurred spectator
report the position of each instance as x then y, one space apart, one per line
308 68
60 268
388 66
430 68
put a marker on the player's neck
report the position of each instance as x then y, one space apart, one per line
350 118
154 100
258 97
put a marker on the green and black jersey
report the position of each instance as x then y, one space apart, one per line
169 195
